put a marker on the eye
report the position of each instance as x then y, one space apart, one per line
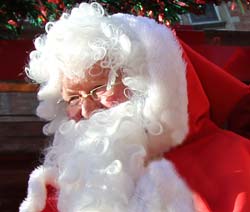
73 99
94 92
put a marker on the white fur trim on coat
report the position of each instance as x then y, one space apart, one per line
161 189
37 193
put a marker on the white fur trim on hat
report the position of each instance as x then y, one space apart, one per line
167 99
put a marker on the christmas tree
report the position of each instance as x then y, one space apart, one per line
15 14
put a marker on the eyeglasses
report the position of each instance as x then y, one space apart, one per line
74 99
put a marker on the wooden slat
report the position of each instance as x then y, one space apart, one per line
22 145
17 103
21 142
11 181
10 204
19 118
26 128
14 187
18 87
14 175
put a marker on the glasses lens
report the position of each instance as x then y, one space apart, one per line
97 92
94 94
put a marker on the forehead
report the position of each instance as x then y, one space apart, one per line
93 77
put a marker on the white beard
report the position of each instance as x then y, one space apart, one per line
101 166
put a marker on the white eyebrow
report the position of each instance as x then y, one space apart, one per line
71 90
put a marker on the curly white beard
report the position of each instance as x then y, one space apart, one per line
101 166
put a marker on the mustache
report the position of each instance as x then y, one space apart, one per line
100 126
101 122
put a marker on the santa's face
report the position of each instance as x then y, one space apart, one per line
85 96
100 153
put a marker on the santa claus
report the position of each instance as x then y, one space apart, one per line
131 122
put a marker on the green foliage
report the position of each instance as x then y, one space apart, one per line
14 14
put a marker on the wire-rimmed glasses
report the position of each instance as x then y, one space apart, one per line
74 99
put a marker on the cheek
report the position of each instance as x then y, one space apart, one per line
74 112
109 101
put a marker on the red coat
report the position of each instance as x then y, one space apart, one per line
214 162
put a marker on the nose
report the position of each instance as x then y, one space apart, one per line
88 107
83 109
74 112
